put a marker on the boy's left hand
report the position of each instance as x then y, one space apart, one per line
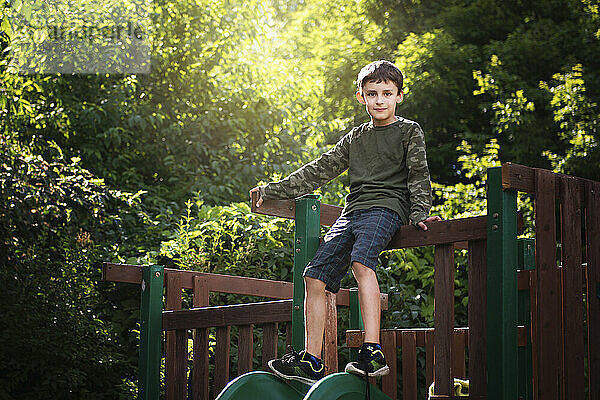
428 219
260 199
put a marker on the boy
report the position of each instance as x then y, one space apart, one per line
389 186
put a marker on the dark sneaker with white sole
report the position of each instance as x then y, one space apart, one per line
371 361
297 366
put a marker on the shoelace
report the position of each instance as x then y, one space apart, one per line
290 355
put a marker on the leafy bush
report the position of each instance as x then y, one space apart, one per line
58 222
230 240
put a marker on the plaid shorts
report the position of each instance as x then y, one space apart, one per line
359 236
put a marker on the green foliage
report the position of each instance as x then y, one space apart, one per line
57 224
467 198
441 43
231 240
439 86
577 117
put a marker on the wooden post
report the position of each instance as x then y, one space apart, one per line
443 318
548 291
245 348
502 383
573 381
429 372
223 334
477 317
269 343
389 348
330 335
409 366
200 351
175 344
592 222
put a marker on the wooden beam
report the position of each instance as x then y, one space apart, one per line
215 282
123 273
522 178
222 283
354 337
518 177
275 208
442 232
287 209
238 314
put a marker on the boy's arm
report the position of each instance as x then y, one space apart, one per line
419 184
312 175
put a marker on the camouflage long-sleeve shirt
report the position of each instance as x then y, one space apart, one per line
387 168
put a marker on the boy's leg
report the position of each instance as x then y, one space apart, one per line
370 356
369 299
314 315
373 231
332 258
306 366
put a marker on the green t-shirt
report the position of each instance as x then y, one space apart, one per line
387 167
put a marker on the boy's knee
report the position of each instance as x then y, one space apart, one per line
313 284
361 271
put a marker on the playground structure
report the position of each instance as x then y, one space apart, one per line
534 307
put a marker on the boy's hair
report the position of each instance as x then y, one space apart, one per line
380 71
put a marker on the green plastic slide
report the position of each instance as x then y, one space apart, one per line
259 385
266 386
342 386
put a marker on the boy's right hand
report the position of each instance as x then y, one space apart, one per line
260 199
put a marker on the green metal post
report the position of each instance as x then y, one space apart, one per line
150 331
306 242
526 262
502 379
356 321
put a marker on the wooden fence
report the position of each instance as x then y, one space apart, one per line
548 305
196 323
565 285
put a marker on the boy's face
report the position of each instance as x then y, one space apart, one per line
380 100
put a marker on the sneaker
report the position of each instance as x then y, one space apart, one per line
297 366
370 360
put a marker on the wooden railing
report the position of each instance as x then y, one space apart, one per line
538 308
445 345
196 323
468 233
407 341
553 357
559 326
